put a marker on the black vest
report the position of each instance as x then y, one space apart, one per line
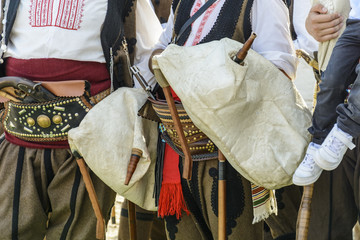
290 5
227 23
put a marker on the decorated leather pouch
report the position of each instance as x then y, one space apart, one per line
201 147
147 111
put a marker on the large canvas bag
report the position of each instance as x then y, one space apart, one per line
105 138
253 113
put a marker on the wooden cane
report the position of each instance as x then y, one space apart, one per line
132 220
185 147
302 224
100 226
134 160
303 219
222 197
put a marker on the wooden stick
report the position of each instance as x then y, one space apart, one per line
132 220
303 219
222 197
185 147
113 215
302 225
100 226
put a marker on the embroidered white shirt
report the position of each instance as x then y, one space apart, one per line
70 29
58 29
270 21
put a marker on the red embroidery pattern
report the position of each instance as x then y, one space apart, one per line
41 13
203 20
68 16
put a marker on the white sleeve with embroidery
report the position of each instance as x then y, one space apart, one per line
148 31
270 21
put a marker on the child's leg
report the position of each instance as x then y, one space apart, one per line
339 74
340 137
349 114
334 147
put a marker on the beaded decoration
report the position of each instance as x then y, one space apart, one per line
46 121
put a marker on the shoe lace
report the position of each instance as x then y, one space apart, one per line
308 161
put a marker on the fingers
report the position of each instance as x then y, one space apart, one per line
327 37
325 18
322 25
318 8
328 31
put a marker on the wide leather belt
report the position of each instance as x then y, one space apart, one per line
47 121
201 147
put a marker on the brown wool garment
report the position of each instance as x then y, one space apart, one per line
50 182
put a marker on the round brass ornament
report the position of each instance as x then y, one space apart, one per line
57 119
43 121
30 121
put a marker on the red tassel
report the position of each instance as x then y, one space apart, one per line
171 200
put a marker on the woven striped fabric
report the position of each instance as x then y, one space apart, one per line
259 195
264 202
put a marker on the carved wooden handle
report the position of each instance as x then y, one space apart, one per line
134 159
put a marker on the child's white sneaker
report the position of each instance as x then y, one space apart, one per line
307 172
333 149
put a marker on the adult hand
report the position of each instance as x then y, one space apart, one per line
322 25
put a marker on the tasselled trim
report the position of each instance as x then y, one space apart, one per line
126 50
